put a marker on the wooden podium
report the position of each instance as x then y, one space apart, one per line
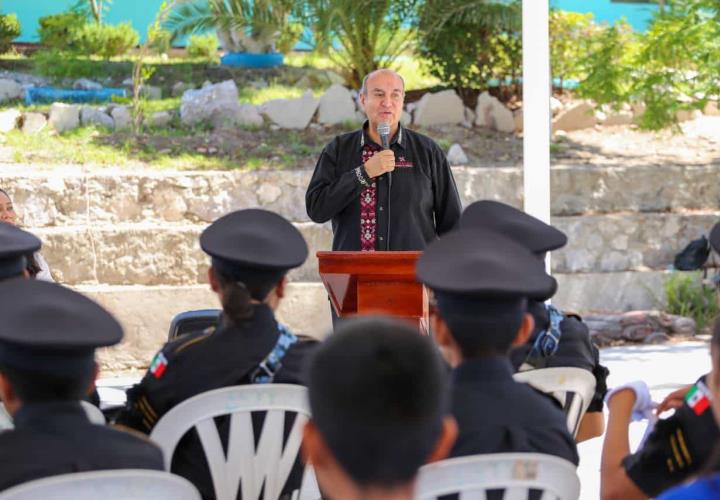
362 283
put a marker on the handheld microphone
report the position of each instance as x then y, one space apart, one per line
383 130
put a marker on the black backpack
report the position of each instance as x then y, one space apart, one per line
693 256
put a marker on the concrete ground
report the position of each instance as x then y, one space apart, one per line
664 368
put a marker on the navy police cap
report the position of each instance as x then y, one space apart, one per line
527 230
48 327
484 263
255 238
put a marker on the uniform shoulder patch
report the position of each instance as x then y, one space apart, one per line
158 365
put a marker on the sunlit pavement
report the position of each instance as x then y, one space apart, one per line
664 368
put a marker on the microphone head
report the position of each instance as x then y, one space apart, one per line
383 129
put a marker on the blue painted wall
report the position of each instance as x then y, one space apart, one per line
142 12
638 15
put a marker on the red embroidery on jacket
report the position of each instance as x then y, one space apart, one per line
368 205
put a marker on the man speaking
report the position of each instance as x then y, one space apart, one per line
384 187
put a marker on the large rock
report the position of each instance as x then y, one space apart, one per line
9 119
291 113
121 117
456 155
439 108
93 116
619 118
33 123
711 109
160 119
64 116
637 326
336 106
249 116
150 92
10 89
405 118
215 103
491 113
576 117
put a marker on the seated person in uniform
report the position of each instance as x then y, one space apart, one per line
47 363
704 399
676 449
378 396
15 246
481 281
252 251
559 339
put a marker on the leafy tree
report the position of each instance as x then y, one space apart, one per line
9 30
360 36
467 42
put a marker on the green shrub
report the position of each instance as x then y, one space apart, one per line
465 43
9 30
57 65
687 295
108 41
202 46
61 31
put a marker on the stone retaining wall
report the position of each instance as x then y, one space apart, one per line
70 197
147 254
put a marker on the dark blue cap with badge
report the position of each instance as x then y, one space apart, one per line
51 329
254 247
527 230
15 245
478 262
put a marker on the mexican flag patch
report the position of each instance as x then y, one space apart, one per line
697 398
158 365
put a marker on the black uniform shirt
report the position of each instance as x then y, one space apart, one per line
57 438
495 414
200 362
574 350
675 450
423 201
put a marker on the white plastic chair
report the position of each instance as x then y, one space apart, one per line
270 464
572 387
517 473
118 484
93 414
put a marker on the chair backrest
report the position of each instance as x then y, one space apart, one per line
94 414
192 321
516 473
572 387
244 465
118 484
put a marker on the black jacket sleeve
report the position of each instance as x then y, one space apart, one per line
330 191
446 199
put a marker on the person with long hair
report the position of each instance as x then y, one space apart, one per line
251 252
37 267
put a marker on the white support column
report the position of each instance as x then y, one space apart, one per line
536 108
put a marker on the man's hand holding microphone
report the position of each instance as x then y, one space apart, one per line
382 162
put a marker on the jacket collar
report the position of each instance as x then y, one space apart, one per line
397 138
491 369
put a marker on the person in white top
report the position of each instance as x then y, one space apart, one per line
37 265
